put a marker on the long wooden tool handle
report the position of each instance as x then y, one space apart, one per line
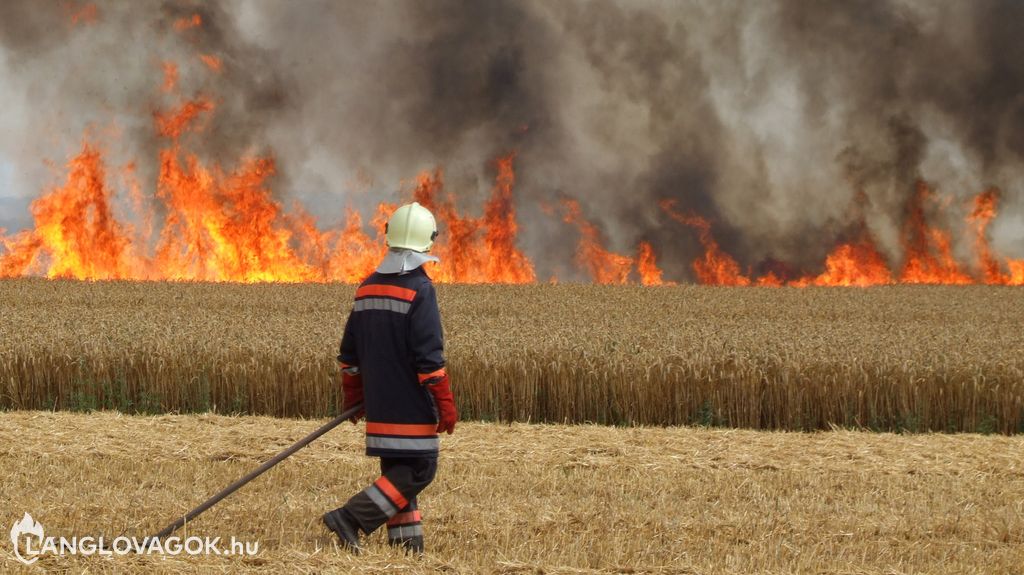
258 471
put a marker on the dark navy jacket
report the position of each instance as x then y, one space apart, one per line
393 335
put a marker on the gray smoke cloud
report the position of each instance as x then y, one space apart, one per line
769 118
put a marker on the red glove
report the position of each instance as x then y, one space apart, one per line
352 389
445 402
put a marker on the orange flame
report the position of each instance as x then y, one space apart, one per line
22 254
854 264
84 14
647 266
182 24
462 257
212 62
226 226
173 123
1016 277
605 267
222 225
355 253
928 254
477 250
75 230
982 214
715 267
929 258
170 76
505 263
980 217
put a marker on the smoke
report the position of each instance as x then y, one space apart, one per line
789 124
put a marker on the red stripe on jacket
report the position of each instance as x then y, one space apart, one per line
381 290
402 429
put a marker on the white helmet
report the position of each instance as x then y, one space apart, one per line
411 227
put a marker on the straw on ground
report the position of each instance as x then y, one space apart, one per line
532 498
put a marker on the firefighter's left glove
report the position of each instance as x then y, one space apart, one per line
352 389
447 415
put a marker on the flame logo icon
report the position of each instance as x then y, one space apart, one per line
27 526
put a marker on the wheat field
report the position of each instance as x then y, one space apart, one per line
530 499
891 358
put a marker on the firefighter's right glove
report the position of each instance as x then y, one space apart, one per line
352 390
444 400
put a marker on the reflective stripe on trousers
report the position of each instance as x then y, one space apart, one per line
393 494
406 525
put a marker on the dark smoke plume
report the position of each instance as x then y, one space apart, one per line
789 124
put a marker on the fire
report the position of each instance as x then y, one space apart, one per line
715 267
605 267
75 230
1016 277
170 76
182 24
173 123
226 225
207 223
355 253
853 264
212 62
982 214
505 262
477 250
83 14
929 259
980 217
647 266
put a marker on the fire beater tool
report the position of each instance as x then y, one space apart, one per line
348 414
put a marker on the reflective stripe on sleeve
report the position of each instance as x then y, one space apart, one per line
382 303
403 443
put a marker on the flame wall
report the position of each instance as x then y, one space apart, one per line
790 138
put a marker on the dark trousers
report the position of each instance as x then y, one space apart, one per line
392 499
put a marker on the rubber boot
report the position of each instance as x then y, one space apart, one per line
344 528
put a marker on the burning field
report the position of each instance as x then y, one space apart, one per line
672 235
210 172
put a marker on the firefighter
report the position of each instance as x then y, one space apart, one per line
392 361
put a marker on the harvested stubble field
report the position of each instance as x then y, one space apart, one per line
531 498
895 358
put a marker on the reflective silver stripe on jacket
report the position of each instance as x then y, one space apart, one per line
405 531
403 443
382 303
381 500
